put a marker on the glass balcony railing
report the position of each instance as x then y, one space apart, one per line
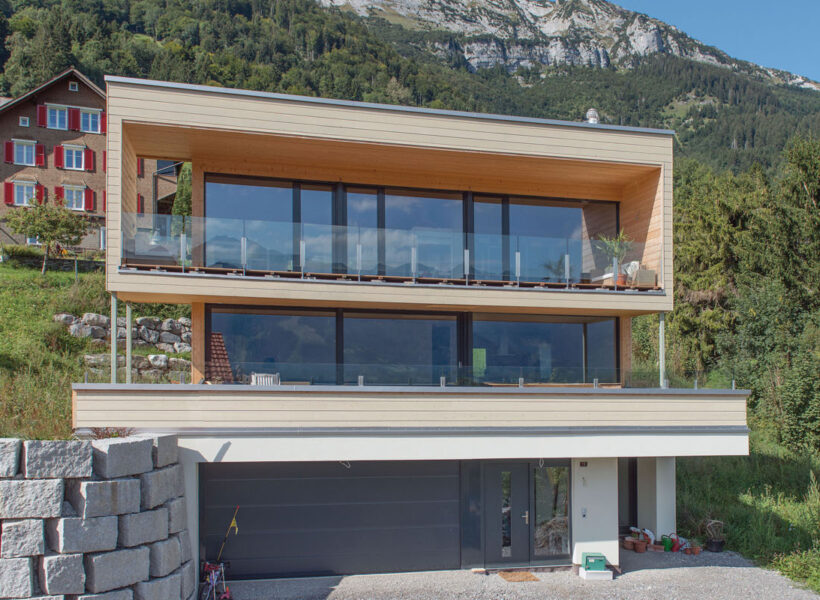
287 249
409 375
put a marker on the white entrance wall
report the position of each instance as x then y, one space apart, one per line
657 495
595 508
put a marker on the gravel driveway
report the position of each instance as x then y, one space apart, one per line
725 576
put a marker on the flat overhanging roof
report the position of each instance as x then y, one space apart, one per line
385 107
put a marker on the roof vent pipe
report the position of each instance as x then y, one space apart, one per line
592 116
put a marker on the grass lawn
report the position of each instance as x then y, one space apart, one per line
769 501
39 360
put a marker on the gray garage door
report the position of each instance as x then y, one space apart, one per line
328 518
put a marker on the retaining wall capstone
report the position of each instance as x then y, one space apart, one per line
94 520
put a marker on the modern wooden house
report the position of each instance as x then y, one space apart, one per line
412 330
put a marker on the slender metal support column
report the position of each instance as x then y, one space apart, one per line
127 342
113 338
662 349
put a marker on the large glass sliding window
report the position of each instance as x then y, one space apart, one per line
363 236
257 210
245 344
400 349
542 236
542 349
424 234
316 214
491 260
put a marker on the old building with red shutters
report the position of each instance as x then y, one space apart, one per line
54 150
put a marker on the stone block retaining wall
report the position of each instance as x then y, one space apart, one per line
94 520
168 335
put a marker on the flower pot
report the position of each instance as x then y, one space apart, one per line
640 546
621 279
687 551
715 545
696 550
629 543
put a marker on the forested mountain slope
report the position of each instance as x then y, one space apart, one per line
726 118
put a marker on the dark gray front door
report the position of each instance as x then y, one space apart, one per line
331 518
507 514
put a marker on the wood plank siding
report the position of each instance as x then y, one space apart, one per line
221 131
226 406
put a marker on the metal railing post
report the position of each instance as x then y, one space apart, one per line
566 268
662 349
113 330
127 342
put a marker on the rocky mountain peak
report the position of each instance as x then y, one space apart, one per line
527 33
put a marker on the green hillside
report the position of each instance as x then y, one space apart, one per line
724 119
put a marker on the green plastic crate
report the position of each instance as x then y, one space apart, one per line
592 561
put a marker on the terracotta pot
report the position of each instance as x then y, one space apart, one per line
687 551
640 546
621 279
629 543
696 550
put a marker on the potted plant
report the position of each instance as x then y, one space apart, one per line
715 539
695 545
615 248
640 546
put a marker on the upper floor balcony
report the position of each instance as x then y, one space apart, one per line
574 257
320 203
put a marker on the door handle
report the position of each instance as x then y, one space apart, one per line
526 517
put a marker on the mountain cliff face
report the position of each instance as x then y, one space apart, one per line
529 33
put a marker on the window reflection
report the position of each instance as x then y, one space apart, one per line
299 346
261 211
399 349
551 533
506 514
542 349
316 203
424 234
362 232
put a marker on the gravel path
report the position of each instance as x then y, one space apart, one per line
725 576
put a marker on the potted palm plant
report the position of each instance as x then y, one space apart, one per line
615 248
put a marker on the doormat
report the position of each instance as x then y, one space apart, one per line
517 576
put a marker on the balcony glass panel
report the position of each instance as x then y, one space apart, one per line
490 261
317 227
362 231
424 234
248 224
392 349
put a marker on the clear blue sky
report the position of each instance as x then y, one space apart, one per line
784 35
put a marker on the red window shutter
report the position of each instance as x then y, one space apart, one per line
74 119
9 151
8 193
88 159
58 157
40 155
89 200
140 206
59 194
103 122
42 115
105 155
140 167
105 208
40 193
